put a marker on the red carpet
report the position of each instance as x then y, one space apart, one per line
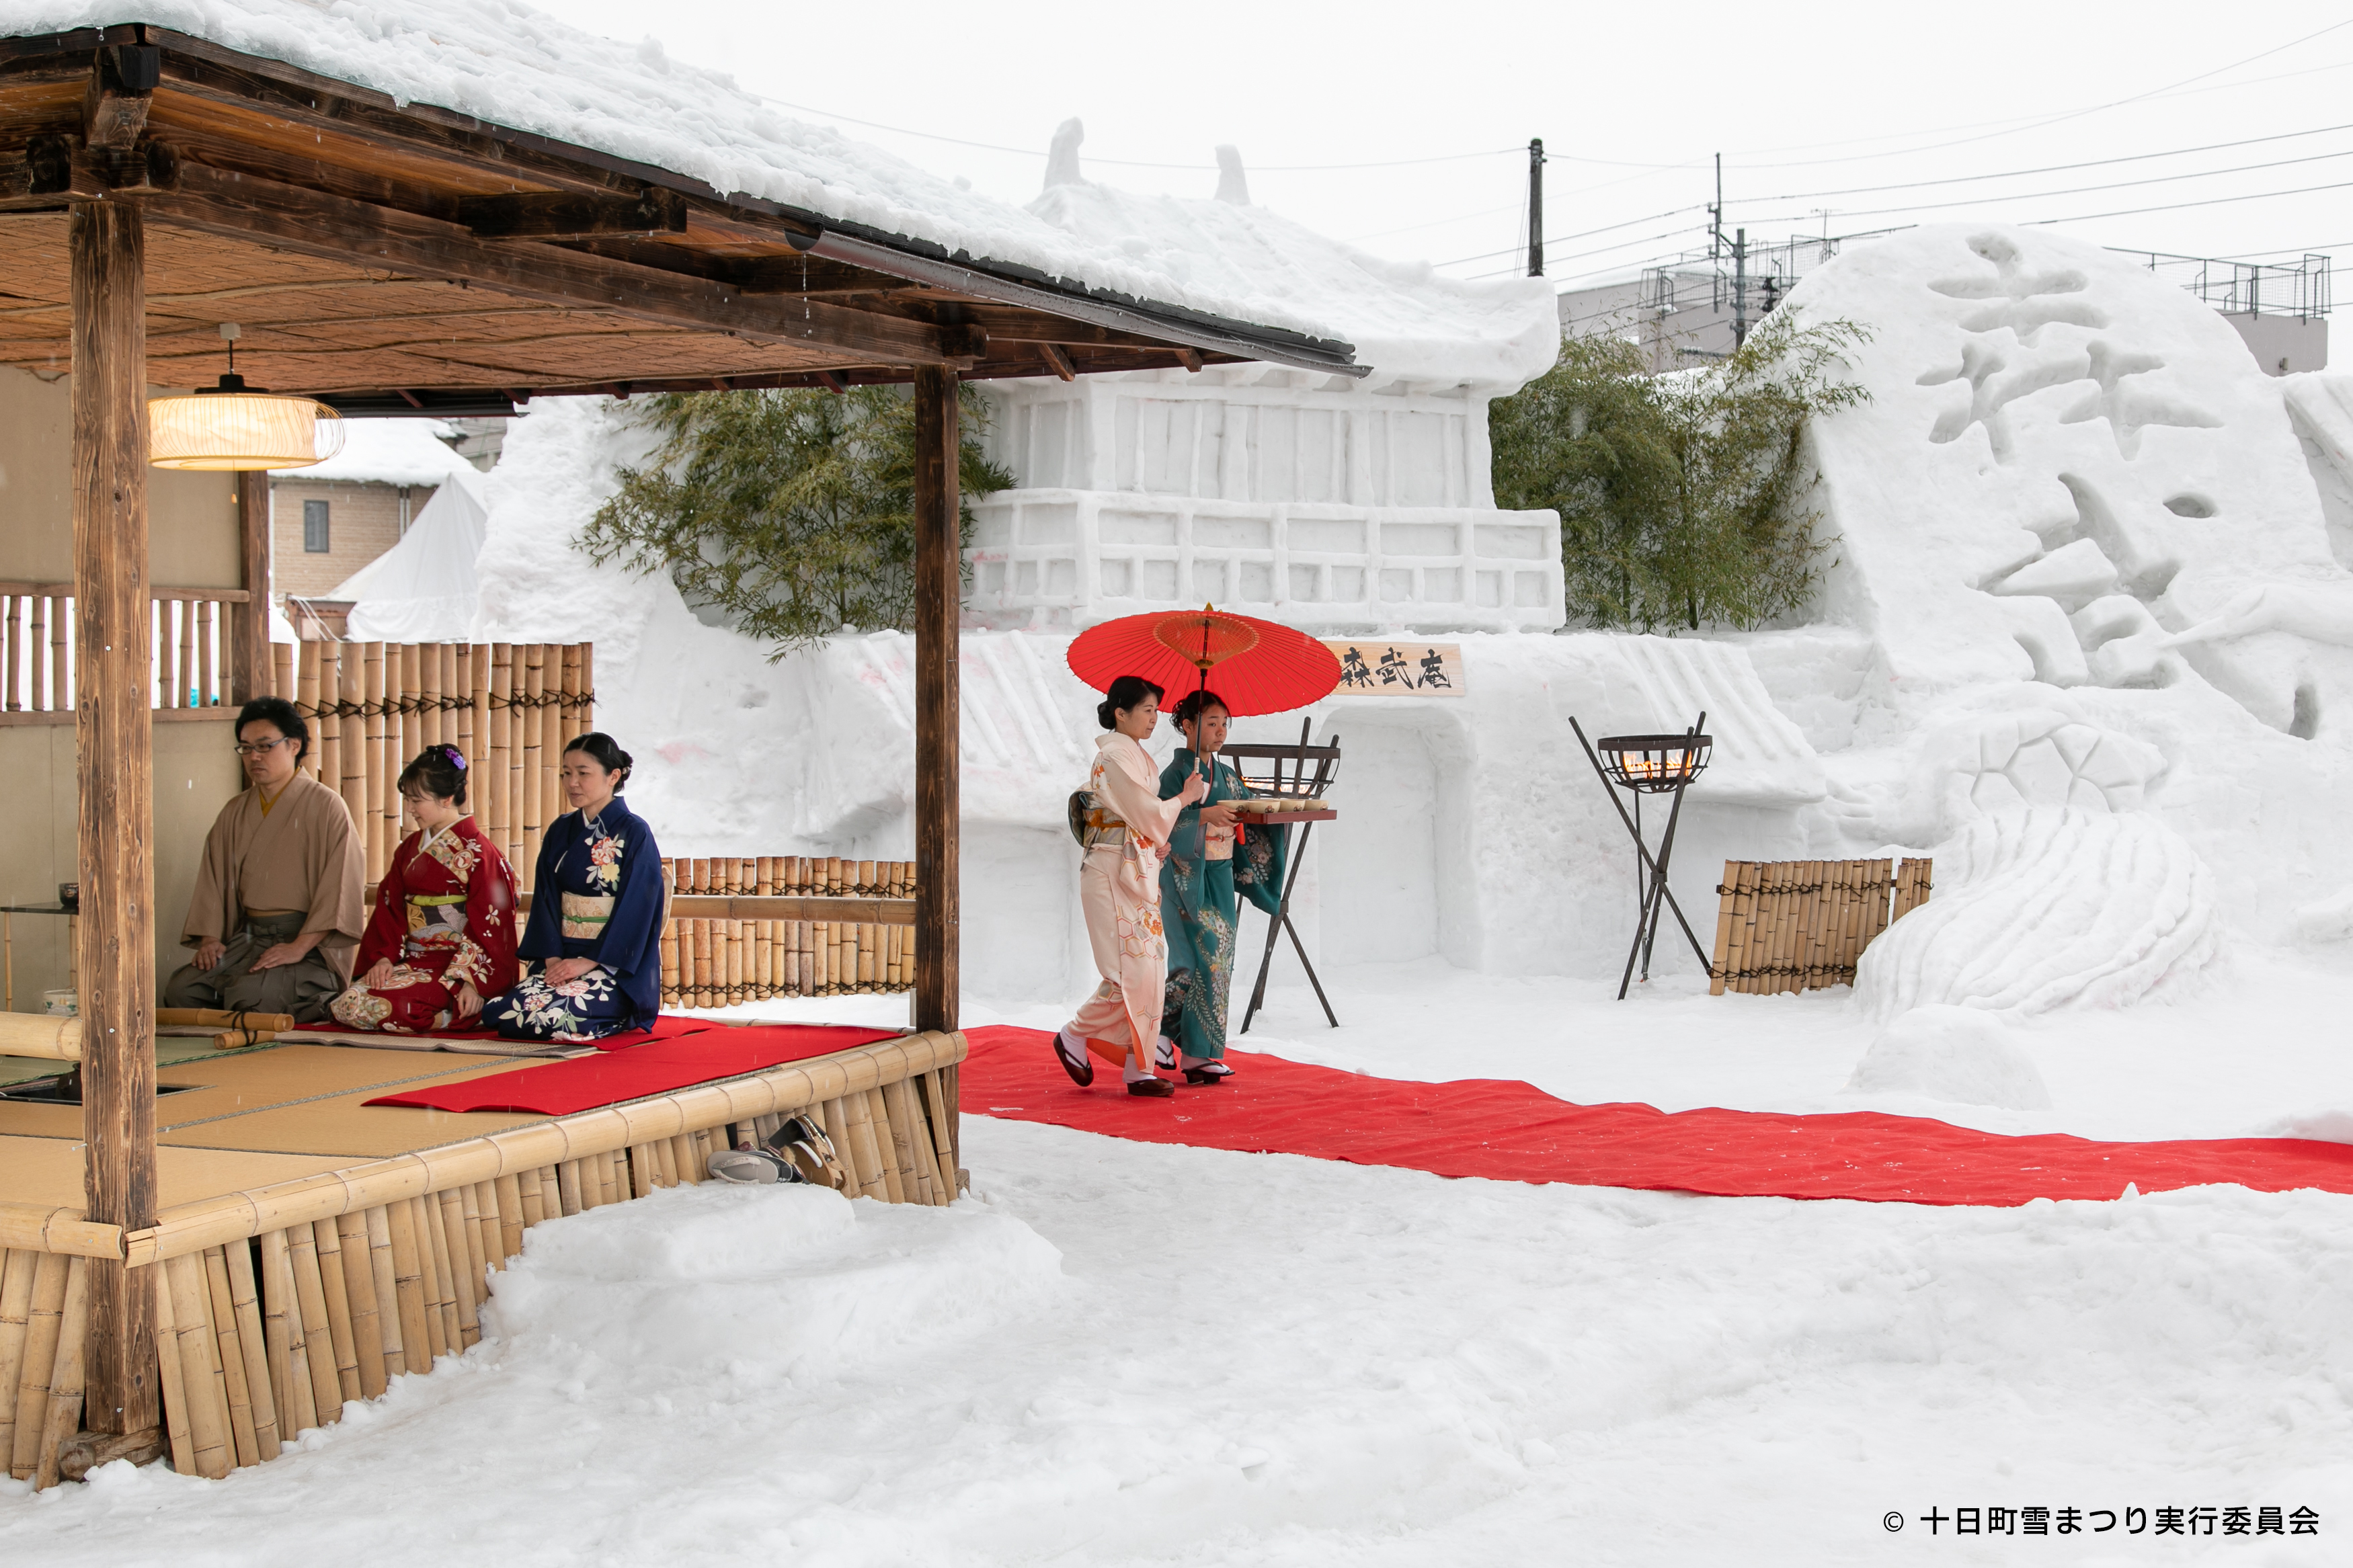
1516 1132
632 1072
666 1027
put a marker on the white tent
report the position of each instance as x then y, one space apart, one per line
423 589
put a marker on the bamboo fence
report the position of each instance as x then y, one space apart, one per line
188 647
510 707
718 963
277 1305
1801 925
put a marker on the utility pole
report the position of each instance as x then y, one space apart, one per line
1740 287
1536 206
1715 234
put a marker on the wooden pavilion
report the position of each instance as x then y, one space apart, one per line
393 258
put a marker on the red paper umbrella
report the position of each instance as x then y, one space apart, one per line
1256 666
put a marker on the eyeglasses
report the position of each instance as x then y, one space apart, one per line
258 748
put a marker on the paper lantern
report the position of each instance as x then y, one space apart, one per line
229 427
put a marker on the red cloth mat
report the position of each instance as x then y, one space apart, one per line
667 1027
657 1067
1513 1132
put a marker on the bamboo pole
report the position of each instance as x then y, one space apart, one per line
17 1267
171 1383
327 1393
385 1281
498 791
245 1308
62 1418
30 1394
281 1329
200 1369
335 1277
281 669
228 1345
446 1334
510 1218
455 1233
535 757
567 1186
360 1297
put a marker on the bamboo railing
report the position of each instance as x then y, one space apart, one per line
1801 925
718 962
510 707
189 648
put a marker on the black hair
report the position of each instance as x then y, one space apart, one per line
1124 693
1195 703
439 772
278 711
605 752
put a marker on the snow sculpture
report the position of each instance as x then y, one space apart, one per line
1326 502
2037 756
2066 464
2043 909
1959 1053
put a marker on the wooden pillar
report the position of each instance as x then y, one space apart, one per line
114 755
939 573
249 623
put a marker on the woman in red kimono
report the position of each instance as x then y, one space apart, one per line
443 934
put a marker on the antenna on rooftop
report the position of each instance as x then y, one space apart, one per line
1062 161
1231 187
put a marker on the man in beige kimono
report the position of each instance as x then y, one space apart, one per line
280 904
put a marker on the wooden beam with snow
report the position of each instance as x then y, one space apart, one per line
311 223
566 215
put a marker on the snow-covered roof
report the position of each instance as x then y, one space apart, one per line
516 67
1404 319
387 452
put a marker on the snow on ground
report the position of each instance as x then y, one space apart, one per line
1131 1354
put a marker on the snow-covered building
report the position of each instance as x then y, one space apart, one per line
1328 502
331 520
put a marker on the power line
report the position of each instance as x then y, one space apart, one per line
2179 206
1581 234
2057 168
2075 190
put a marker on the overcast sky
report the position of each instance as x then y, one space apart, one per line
1809 109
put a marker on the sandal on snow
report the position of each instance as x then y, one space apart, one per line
750 1166
1080 1067
1152 1089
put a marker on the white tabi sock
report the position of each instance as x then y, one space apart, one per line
1131 1073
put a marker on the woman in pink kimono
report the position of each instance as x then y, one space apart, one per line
1119 889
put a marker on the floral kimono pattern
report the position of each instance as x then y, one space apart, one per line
598 896
1119 891
444 916
1207 873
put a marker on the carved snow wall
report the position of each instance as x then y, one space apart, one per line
1271 491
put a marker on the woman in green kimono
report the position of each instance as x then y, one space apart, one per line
1213 862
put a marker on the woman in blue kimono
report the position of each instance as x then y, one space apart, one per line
1213 862
593 949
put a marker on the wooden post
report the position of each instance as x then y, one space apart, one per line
939 574
115 820
251 622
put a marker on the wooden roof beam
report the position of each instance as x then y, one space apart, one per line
311 223
121 86
568 214
1056 359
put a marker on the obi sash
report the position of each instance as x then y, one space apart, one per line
585 915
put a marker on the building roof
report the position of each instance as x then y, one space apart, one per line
495 70
387 452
